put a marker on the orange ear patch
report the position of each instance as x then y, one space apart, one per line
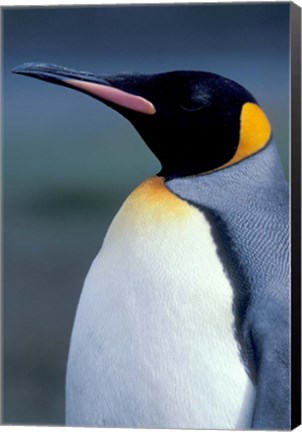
255 131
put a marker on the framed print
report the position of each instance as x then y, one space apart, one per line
151 216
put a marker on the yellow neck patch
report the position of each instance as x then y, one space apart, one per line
255 131
153 202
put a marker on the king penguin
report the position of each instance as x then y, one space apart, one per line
183 321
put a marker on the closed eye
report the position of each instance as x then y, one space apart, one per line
192 108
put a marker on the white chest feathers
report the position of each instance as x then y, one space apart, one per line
153 344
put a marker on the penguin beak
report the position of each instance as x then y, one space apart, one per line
101 87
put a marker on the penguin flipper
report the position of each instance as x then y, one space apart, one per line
271 342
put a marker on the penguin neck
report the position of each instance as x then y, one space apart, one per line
252 194
261 170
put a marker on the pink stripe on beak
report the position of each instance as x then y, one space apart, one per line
114 95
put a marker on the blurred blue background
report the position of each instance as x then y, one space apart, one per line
69 161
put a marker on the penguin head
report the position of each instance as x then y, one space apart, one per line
194 122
